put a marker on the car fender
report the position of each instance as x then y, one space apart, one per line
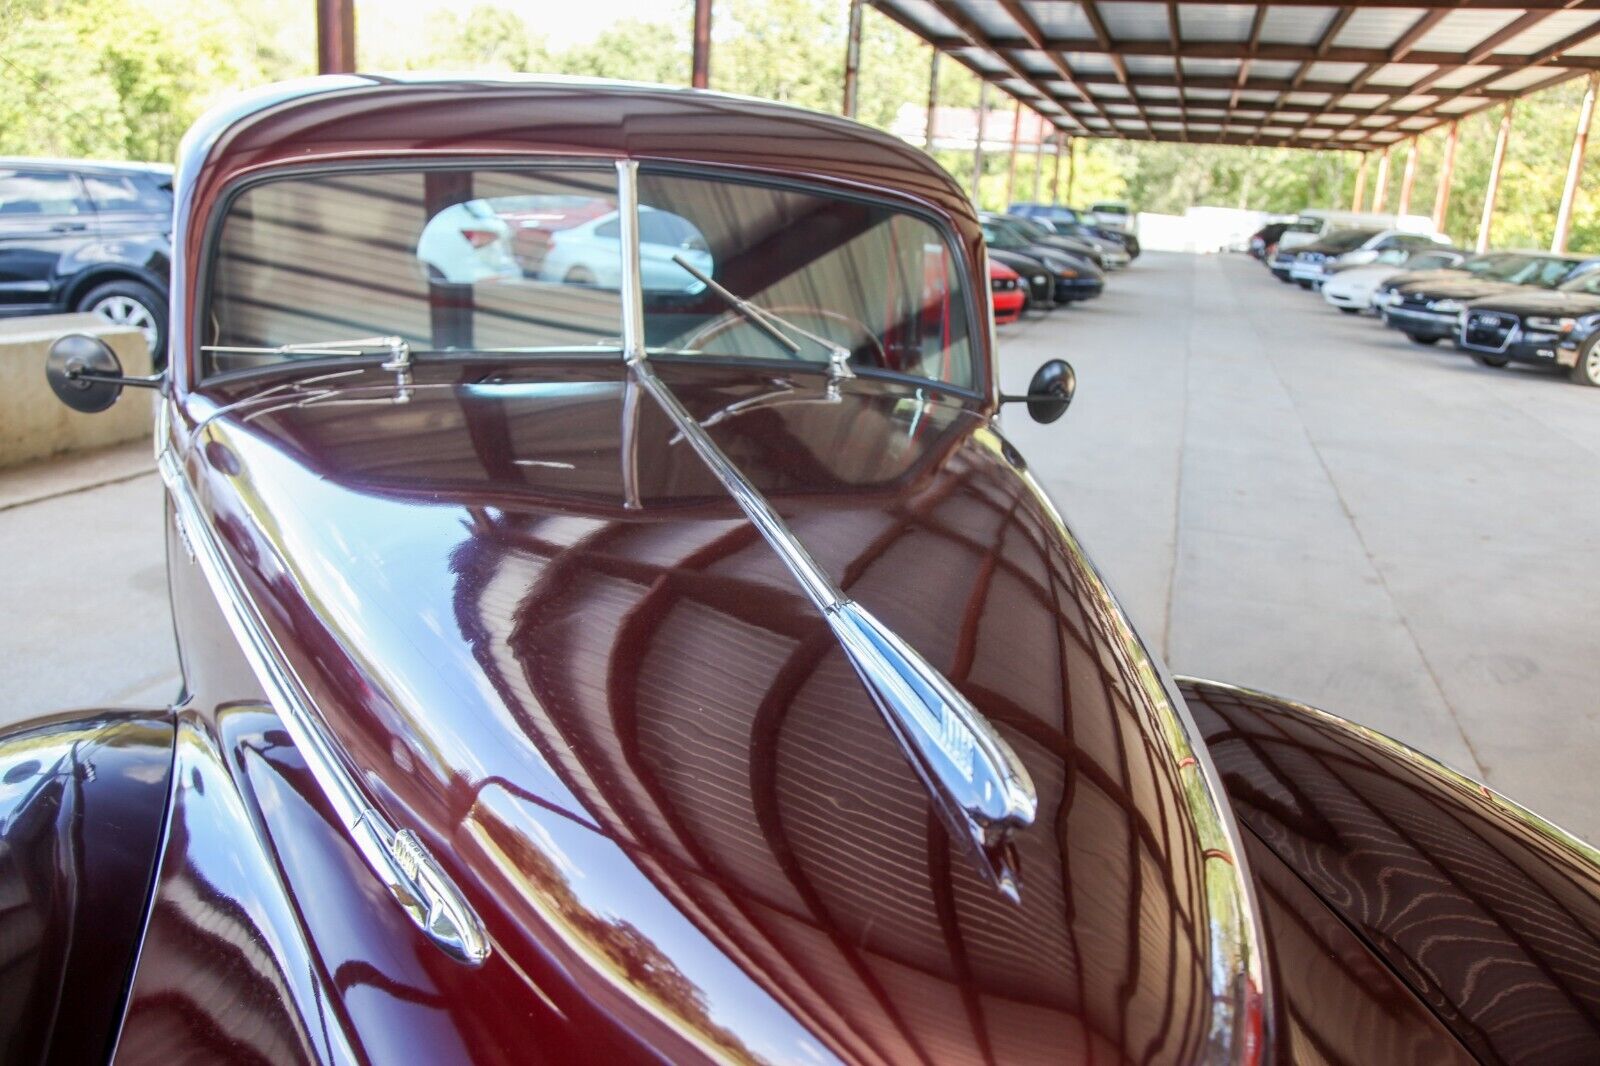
1488 914
83 800
145 259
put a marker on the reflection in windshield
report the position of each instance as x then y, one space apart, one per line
454 260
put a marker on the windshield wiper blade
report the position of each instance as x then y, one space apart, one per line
770 323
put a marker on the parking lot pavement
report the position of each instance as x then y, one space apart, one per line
85 620
1282 496
1302 501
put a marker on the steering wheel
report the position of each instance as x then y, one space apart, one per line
730 320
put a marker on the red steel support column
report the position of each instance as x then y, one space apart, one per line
1072 165
1569 191
1055 178
933 96
1038 155
701 76
336 36
1441 198
1381 192
977 144
1011 164
1408 179
1486 222
1361 184
852 60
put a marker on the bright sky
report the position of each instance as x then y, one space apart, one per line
561 24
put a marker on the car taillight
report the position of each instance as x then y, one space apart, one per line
480 238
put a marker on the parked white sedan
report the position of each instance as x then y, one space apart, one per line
1352 290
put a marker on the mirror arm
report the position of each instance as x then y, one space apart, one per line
151 382
1026 397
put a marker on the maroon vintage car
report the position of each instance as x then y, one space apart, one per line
688 668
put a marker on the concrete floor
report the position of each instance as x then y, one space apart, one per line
1302 501
1283 497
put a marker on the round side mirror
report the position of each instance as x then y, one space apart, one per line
75 355
1050 391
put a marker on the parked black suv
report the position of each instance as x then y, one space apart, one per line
1557 328
80 236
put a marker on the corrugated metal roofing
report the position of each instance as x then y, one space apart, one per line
1396 69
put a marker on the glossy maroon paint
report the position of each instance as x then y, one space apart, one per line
630 741
82 799
1485 914
598 715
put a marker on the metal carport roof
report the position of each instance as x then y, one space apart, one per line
1289 73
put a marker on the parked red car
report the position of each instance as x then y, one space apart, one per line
1009 295
692 670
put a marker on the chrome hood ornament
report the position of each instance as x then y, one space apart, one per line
979 786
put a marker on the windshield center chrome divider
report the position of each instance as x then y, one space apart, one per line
979 787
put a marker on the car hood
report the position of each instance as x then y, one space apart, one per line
1541 302
1426 277
1463 287
1023 264
597 695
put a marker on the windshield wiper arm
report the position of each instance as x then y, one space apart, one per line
399 351
769 323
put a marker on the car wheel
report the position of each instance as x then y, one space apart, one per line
1489 360
135 304
579 276
1417 338
1351 310
1587 372
1304 284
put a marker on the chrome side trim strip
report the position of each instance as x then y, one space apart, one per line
396 856
979 786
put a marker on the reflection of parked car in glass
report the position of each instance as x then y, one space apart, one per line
586 254
1557 328
534 219
81 236
467 243
1352 290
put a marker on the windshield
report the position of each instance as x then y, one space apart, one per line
1541 270
457 260
1029 228
1305 225
1110 209
1587 283
1347 240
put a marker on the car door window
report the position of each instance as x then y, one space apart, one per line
25 194
119 192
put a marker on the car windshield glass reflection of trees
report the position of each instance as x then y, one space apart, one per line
483 260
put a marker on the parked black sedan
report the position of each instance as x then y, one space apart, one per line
79 236
1557 328
1428 312
1075 278
1070 220
1040 280
1037 233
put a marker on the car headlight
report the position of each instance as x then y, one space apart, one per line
1448 307
1554 325
1040 279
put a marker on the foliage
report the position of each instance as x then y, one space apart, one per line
124 78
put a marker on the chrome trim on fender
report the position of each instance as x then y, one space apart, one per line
1237 972
396 856
979 786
